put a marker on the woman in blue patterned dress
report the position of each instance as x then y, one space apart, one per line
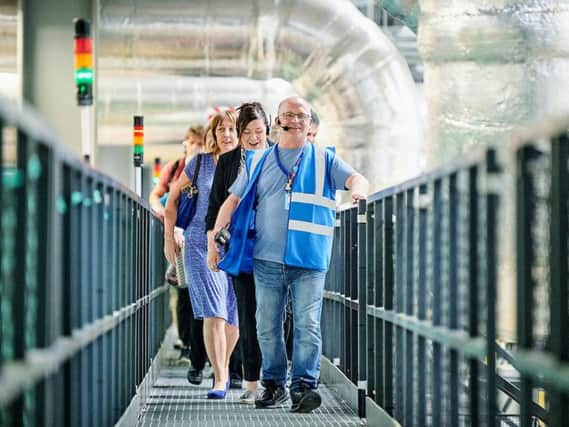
211 293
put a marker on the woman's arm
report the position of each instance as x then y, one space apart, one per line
160 189
170 216
223 218
157 192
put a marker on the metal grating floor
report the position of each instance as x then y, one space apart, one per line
172 401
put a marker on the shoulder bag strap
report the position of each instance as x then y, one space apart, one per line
173 171
196 171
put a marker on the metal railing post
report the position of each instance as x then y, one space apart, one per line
423 204
408 304
491 274
559 265
473 293
362 306
371 270
388 281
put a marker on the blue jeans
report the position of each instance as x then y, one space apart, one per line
271 283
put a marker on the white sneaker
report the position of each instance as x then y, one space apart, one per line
248 397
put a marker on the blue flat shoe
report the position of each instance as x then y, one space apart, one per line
227 385
216 394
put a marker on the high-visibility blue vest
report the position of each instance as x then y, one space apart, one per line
239 257
311 215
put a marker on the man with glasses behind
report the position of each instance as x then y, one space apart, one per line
291 190
314 125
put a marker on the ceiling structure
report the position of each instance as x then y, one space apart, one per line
174 60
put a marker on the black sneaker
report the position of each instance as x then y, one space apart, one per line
195 376
304 399
235 381
272 396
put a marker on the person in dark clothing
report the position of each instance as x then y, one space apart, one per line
252 130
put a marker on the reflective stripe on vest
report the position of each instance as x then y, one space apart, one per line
313 199
310 227
320 172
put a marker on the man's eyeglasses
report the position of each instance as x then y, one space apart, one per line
300 116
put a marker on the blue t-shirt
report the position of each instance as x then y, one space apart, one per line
272 217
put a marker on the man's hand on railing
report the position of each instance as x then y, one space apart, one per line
359 186
358 196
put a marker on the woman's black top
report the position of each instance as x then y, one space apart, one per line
226 172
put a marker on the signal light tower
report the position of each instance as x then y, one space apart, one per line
83 50
138 152
156 170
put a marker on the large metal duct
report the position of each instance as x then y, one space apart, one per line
491 65
332 55
8 44
171 103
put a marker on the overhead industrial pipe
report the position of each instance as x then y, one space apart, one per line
330 53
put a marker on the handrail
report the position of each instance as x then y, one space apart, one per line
82 297
413 284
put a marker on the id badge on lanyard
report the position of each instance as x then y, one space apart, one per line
290 176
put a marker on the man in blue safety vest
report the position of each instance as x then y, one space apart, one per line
282 214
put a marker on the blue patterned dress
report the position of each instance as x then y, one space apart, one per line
212 294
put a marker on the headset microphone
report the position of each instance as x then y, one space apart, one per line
285 128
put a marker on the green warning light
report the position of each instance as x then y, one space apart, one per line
84 76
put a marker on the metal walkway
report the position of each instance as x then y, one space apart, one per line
172 401
410 319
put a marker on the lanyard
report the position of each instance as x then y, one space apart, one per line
292 174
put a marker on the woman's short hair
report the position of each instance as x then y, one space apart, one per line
248 112
213 124
198 131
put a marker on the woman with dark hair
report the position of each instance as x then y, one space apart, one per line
211 293
252 129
